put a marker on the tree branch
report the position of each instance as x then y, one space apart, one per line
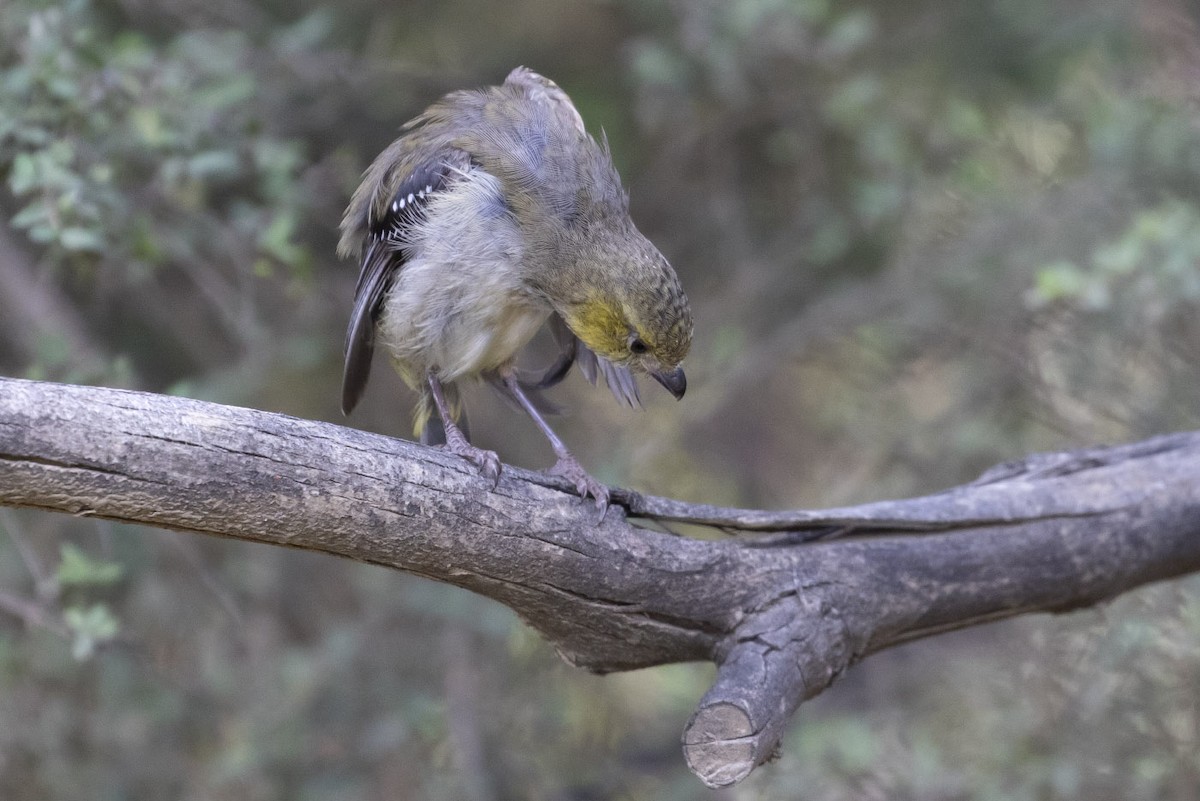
782 617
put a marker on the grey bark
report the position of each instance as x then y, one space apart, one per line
782 613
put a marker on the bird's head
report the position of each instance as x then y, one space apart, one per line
633 312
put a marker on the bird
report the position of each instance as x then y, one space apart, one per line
495 214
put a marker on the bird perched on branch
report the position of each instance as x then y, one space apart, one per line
494 214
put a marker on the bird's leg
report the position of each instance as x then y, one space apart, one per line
487 461
567 465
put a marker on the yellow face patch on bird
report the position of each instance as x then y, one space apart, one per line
655 343
603 326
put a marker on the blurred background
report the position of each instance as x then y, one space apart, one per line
919 238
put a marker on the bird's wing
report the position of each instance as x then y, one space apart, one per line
571 350
620 380
567 344
398 203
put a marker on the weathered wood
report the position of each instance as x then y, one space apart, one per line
781 615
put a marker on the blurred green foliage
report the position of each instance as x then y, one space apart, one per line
919 238
110 140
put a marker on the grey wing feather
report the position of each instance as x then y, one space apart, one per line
383 256
619 379
557 371
379 262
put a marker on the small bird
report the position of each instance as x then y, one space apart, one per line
493 214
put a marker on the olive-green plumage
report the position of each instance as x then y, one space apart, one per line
495 213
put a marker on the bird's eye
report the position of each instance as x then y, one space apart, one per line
637 346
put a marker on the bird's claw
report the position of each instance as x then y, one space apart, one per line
569 468
487 461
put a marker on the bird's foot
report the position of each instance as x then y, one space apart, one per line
569 468
487 461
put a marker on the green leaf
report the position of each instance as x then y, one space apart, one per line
213 163
33 214
1061 280
276 239
90 626
23 176
81 239
76 568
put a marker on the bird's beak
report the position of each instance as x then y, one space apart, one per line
674 380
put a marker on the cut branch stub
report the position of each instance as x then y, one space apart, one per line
780 656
